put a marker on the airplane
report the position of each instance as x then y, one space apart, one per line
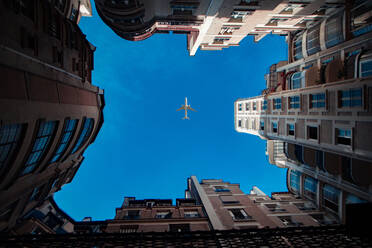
186 107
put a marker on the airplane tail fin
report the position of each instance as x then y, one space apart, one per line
185 118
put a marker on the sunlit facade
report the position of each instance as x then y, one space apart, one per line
316 107
211 25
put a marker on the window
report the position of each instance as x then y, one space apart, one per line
288 221
294 102
333 31
43 139
228 30
10 140
331 197
183 9
312 132
262 125
343 136
264 105
291 129
163 215
312 42
240 123
274 126
247 106
297 46
275 208
350 199
132 215
311 187
365 68
317 100
350 98
305 206
254 106
277 103
84 134
239 214
298 151
297 80
179 227
128 228
228 199
220 40
191 214
294 180
240 107
221 189
68 132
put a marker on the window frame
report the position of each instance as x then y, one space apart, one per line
68 143
288 129
43 153
289 105
301 78
76 148
310 106
308 126
362 60
350 98
345 128
277 127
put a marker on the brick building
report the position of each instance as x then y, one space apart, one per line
49 110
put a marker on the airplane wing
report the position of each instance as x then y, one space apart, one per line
191 109
182 108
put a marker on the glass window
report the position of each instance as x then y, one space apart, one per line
366 68
68 132
317 100
191 214
240 107
312 42
294 180
44 137
354 199
277 103
262 125
274 127
247 106
254 106
291 129
350 98
294 102
343 136
221 189
298 47
331 197
298 151
297 80
264 105
310 187
132 215
333 31
10 139
84 135
163 215
240 123
239 214
312 132
360 19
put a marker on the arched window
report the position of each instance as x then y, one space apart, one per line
84 134
333 31
312 40
297 80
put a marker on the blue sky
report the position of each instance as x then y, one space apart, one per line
144 148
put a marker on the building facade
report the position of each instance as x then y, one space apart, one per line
49 110
228 207
316 110
211 24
